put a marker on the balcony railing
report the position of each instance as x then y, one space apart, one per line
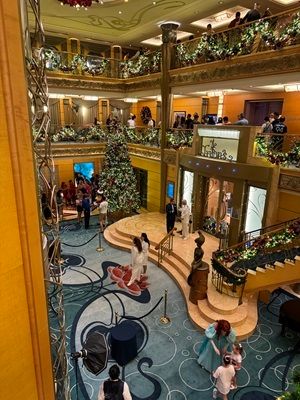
78 64
272 33
95 133
280 149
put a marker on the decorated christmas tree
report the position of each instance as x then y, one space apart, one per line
117 179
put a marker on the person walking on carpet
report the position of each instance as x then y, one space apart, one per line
137 260
114 387
224 375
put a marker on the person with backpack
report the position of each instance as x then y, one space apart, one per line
114 388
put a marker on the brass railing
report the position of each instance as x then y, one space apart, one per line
165 246
271 33
230 266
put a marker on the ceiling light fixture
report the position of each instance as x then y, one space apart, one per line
292 88
91 98
130 100
215 93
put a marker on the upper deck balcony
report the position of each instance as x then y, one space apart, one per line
267 46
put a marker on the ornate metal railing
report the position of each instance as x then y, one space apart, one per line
230 266
272 33
165 246
40 120
280 149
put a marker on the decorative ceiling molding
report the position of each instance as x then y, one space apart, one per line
289 182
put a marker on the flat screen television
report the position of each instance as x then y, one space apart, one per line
86 169
170 189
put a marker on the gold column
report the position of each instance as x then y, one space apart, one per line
168 38
26 371
62 112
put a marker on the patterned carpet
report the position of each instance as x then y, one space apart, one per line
166 366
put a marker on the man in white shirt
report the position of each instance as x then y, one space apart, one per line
131 122
114 387
151 123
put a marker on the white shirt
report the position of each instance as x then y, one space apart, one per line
131 123
145 247
185 213
150 123
224 377
103 206
126 393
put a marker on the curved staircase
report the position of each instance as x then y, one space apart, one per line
216 306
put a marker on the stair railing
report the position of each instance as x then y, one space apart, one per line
258 232
165 246
230 266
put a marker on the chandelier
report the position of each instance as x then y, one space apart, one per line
78 3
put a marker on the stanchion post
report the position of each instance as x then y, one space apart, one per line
100 248
164 319
116 318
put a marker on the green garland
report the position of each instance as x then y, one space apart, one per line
238 41
290 158
294 394
179 138
261 244
78 62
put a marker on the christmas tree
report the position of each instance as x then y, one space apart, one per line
117 179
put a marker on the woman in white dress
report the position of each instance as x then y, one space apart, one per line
137 259
145 246
185 218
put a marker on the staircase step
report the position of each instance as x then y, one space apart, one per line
220 303
236 319
290 262
270 267
251 272
279 264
